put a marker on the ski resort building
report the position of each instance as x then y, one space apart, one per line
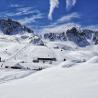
44 60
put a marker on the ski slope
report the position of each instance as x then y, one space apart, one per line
80 81
77 77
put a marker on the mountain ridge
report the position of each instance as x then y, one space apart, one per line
82 37
12 27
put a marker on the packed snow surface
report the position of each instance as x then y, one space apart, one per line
74 74
80 81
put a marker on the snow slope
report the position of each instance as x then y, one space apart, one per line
74 78
10 74
80 81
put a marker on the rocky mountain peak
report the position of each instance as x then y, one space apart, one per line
81 38
12 27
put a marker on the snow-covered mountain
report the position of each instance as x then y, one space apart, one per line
48 48
65 57
81 38
11 27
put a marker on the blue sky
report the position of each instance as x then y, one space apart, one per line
40 14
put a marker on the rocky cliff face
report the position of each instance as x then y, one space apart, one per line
55 36
81 38
77 37
11 27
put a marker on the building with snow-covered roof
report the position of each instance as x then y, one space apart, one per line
44 55
44 60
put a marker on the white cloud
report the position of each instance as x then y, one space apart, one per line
24 9
21 11
91 27
14 5
31 19
34 14
68 17
70 4
53 5
59 28
62 24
